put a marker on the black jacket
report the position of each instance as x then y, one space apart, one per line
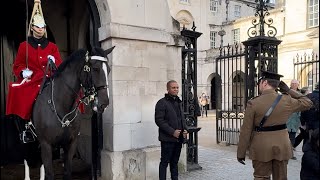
310 163
311 117
167 118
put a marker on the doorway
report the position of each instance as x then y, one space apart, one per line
213 93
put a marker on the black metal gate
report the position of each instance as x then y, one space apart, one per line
306 70
239 66
189 94
231 91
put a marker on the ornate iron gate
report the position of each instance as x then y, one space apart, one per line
189 94
306 70
239 68
231 91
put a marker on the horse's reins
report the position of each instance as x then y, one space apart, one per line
90 92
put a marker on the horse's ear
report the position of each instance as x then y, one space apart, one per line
108 51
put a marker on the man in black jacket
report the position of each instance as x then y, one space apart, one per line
171 122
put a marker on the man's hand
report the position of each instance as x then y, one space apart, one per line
241 160
176 133
185 132
283 87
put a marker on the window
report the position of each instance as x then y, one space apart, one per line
237 11
313 13
213 39
236 36
186 1
213 5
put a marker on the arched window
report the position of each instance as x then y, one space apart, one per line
237 78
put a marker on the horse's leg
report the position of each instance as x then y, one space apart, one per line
46 154
42 172
69 151
26 170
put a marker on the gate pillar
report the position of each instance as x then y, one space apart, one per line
189 94
261 54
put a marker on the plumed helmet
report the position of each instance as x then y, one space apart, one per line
37 18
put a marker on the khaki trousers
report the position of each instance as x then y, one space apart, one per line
263 170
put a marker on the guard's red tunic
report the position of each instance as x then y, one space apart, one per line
20 99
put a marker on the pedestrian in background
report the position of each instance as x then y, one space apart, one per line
172 130
294 119
203 99
310 160
266 134
295 85
293 126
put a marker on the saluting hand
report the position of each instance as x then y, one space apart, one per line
283 87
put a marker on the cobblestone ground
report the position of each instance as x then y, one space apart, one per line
218 161
221 164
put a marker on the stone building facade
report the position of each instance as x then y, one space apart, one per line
297 25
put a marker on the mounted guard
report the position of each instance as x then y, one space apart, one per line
30 67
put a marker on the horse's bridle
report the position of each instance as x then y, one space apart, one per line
89 87
90 91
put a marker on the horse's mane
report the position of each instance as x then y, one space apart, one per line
76 55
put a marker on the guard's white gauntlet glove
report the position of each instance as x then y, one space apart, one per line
26 73
51 58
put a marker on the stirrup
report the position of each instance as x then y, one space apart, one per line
28 134
27 137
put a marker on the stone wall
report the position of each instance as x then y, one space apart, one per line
147 55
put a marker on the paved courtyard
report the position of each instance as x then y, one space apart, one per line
218 161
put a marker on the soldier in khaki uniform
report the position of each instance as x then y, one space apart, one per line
269 146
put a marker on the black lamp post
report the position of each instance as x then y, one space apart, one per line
221 33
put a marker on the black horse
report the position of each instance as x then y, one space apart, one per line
56 107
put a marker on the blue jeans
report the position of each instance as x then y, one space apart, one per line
170 154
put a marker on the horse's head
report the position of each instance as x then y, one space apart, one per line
96 83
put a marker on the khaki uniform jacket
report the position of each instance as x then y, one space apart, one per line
268 145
